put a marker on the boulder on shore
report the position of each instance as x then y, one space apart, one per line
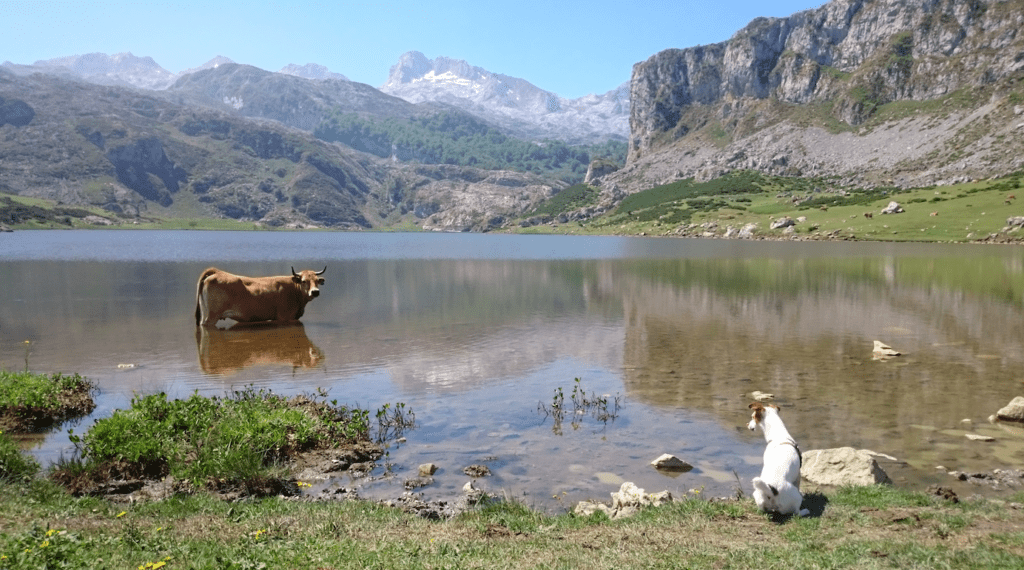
626 502
842 466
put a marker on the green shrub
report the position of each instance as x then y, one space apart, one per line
15 465
245 436
31 401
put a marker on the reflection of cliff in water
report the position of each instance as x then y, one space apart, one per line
703 336
225 352
455 324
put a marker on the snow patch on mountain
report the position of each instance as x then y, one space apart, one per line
514 103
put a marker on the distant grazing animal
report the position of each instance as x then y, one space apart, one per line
868 215
777 490
222 295
934 214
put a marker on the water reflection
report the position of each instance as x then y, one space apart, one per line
474 338
224 352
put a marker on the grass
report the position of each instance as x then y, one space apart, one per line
15 465
236 443
958 213
29 401
872 527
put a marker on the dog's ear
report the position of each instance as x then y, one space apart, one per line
756 406
777 409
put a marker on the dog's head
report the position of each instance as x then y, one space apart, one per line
757 416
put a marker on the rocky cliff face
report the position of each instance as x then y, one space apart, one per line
525 109
842 68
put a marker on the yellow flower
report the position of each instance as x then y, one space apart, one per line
44 544
121 514
51 532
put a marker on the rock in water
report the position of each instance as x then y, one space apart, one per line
1012 412
670 462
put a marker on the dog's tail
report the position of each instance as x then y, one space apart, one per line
765 488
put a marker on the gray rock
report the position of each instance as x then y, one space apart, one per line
477 471
626 502
782 223
1012 412
893 208
670 462
427 469
747 231
842 466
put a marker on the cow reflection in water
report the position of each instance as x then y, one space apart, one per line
228 351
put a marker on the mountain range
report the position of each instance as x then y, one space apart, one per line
865 93
514 104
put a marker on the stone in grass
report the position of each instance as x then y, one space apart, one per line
669 462
427 469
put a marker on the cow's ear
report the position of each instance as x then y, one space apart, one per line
320 281
297 278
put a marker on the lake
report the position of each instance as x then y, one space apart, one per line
476 333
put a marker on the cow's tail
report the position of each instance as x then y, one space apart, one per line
199 292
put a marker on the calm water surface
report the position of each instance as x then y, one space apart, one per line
473 332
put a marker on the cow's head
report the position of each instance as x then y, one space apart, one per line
309 281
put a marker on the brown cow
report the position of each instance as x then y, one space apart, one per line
222 295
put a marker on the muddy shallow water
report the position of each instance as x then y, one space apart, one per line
476 332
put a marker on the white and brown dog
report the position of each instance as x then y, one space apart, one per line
777 490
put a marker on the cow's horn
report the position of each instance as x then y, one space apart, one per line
296 274
320 272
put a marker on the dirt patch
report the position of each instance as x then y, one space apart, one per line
123 483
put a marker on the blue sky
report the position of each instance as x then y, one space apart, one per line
569 47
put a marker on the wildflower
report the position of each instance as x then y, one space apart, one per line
44 544
51 532
121 514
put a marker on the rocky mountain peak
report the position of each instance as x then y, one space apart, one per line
212 64
311 71
118 69
513 103
411 65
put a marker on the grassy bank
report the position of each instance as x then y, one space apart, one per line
29 401
874 527
821 208
244 443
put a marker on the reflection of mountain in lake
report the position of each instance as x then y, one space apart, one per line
702 335
456 324
226 352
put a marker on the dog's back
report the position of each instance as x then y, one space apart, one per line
778 487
